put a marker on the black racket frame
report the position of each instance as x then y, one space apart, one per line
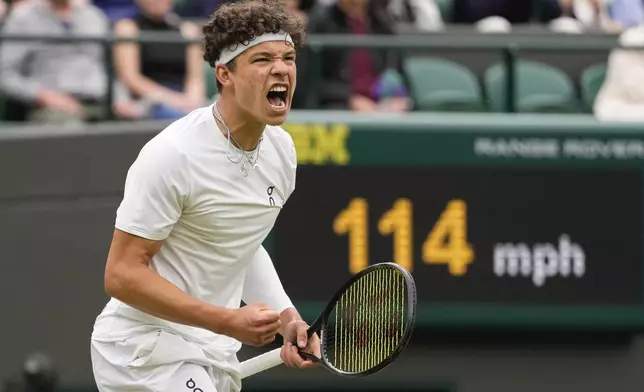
410 319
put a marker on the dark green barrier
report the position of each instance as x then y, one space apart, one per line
531 221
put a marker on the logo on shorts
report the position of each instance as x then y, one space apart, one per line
191 384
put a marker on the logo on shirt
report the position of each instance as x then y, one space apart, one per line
191 384
269 191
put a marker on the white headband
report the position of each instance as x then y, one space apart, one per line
228 54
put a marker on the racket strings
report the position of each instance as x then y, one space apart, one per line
367 323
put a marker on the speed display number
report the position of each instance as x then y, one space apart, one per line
446 243
495 236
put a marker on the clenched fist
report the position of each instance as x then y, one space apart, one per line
254 324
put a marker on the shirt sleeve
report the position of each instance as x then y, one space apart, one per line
262 284
156 189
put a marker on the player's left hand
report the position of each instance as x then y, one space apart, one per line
295 331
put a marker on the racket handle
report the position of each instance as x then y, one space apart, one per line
260 363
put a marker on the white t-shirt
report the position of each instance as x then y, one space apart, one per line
183 189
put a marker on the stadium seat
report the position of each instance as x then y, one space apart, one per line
591 81
539 88
211 82
440 85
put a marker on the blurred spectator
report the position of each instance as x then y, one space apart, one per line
55 81
627 13
361 79
117 9
421 15
612 16
621 97
167 77
11 4
295 6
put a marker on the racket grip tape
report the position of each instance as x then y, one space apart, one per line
260 363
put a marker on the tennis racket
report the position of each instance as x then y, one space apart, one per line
363 329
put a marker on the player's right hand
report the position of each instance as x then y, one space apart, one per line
254 324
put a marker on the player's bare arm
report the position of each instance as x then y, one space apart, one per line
129 279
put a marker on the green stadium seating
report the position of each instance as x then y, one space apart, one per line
441 85
211 82
591 81
539 88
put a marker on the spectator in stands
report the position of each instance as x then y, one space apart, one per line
167 77
417 15
612 16
11 4
117 9
295 6
621 97
627 13
360 79
56 82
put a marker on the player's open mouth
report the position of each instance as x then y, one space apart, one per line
277 97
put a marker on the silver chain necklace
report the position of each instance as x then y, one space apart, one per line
251 158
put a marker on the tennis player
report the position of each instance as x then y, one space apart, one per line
199 200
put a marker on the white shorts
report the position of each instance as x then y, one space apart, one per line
158 362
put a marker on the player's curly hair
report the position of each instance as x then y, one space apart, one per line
242 20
